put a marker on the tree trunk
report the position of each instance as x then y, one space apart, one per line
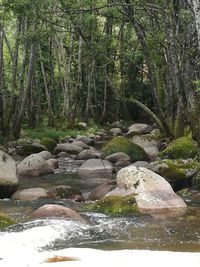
196 7
1 83
27 91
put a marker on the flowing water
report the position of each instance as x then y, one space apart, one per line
175 232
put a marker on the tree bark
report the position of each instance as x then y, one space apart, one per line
196 7
1 82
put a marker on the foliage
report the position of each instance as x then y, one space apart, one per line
5 221
181 148
123 144
115 205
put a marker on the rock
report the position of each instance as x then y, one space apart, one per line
8 175
85 139
144 164
89 154
69 148
64 192
139 128
81 125
190 195
63 155
122 163
156 133
102 190
148 143
28 149
30 194
96 166
5 221
123 144
196 180
152 192
49 143
115 131
118 156
81 144
51 210
118 124
35 165
181 148
45 155
178 173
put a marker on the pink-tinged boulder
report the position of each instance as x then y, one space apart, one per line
30 194
96 167
152 192
69 148
139 128
51 210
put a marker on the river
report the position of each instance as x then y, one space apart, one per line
103 239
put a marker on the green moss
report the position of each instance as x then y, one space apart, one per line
29 149
182 147
5 221
180 169
123 144
49 143
115 205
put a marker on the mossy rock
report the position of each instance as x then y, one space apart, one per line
115 205
123 144
181 148
49 143
5 221
178 173
29 149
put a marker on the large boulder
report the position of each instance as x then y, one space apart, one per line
30 194
28 149
8 175
139 128
181 148
51 210
179 173
35 165
69 148
115 131
148 143
152 192
123 144
96 167
49 143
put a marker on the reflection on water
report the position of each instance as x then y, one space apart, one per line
179 232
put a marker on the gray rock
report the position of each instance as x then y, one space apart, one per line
81 144
69 148
89 154
152 192
118 156
148 143
35 165
96 167
45 155
8 175
139 128
115 131
85 139
30 194
144 164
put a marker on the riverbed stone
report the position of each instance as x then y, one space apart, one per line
118 156
8 175
115 131
35 165
103 189
64 192
179 173
138 129
152 192
81 144
96 167
69 148
91 153
51 210
28 149
30 194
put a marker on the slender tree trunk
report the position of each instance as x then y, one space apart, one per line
196 7
47 91
1 82
27 91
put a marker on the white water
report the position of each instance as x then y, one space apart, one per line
30 247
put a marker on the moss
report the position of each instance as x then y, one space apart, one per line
180 169
29 149
115 205
182 147
5 221
123 144
49 143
